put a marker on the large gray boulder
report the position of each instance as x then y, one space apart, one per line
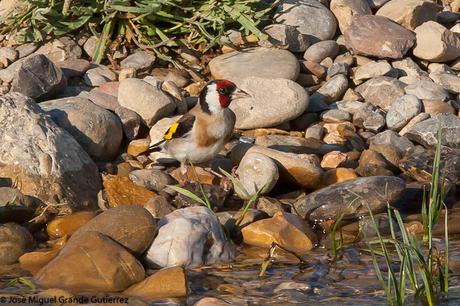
47 161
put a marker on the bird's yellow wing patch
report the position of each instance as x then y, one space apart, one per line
169 134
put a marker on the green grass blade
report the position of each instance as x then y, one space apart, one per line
188 194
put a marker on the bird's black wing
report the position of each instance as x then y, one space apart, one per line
177 129
180 127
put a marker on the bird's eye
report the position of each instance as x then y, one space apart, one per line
222 91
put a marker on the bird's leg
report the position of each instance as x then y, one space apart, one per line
183 168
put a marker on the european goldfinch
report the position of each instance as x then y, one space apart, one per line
200 134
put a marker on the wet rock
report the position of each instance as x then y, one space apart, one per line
450 82
152 179
211 301
435 43
352 197
103 265
34 261
287 36
140 61
344 10
381 91
38 78
14 242
98 76
332 90
131 226
435 107
310 17
258 62
74 67
338 175
402 111
378 36
425 132
122 191
97 130
319 51
190 237
165 283
427 90
48 162
150 102
256 172
372 70
292 167
410 13
67 225
288 230
267 107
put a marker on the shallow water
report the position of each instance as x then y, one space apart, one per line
349 281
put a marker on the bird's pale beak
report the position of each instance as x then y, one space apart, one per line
239 94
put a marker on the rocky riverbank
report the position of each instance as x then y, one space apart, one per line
345 100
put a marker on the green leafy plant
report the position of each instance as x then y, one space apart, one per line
422 266
149 24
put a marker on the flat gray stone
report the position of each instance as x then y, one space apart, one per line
425 132
310 17
353 197
255 62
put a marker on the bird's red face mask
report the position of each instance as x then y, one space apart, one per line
225 89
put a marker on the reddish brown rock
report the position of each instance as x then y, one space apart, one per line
165 283
120 190
378 36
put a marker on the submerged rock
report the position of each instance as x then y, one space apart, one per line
165 283
190 237
288 230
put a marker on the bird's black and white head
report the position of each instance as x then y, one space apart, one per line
217 95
